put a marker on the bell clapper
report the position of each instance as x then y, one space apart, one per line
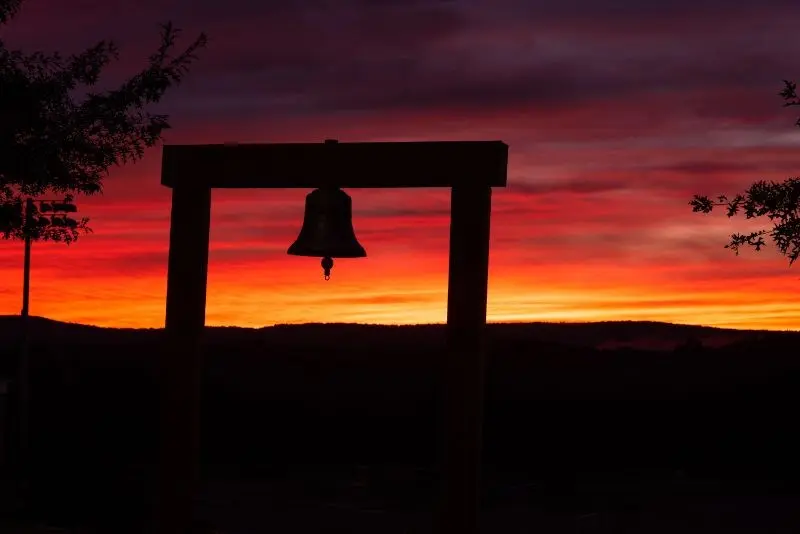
327 230
327 265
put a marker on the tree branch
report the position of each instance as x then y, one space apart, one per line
778 201
49 142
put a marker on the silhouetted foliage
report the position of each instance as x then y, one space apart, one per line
789 95
9 8
778 201
52 142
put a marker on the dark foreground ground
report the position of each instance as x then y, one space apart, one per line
369 499
334 430
600 504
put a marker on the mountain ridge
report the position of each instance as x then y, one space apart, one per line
601 335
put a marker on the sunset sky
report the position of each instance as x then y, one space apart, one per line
615 112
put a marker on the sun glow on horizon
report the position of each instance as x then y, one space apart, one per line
292 295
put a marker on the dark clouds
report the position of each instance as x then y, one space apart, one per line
284 58
588 185
711 167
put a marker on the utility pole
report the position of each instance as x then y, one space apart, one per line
37 215
23 365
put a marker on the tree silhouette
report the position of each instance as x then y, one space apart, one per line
52 142
778 201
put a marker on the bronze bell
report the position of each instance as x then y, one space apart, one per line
327 230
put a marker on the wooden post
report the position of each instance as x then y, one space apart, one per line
469 167
26 266
463 375
181 362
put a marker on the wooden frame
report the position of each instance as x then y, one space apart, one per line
469 168
353 165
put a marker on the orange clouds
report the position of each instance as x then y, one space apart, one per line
621 243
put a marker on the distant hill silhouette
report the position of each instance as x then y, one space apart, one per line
611 335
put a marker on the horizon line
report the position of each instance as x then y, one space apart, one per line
400 325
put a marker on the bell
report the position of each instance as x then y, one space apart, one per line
327 230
